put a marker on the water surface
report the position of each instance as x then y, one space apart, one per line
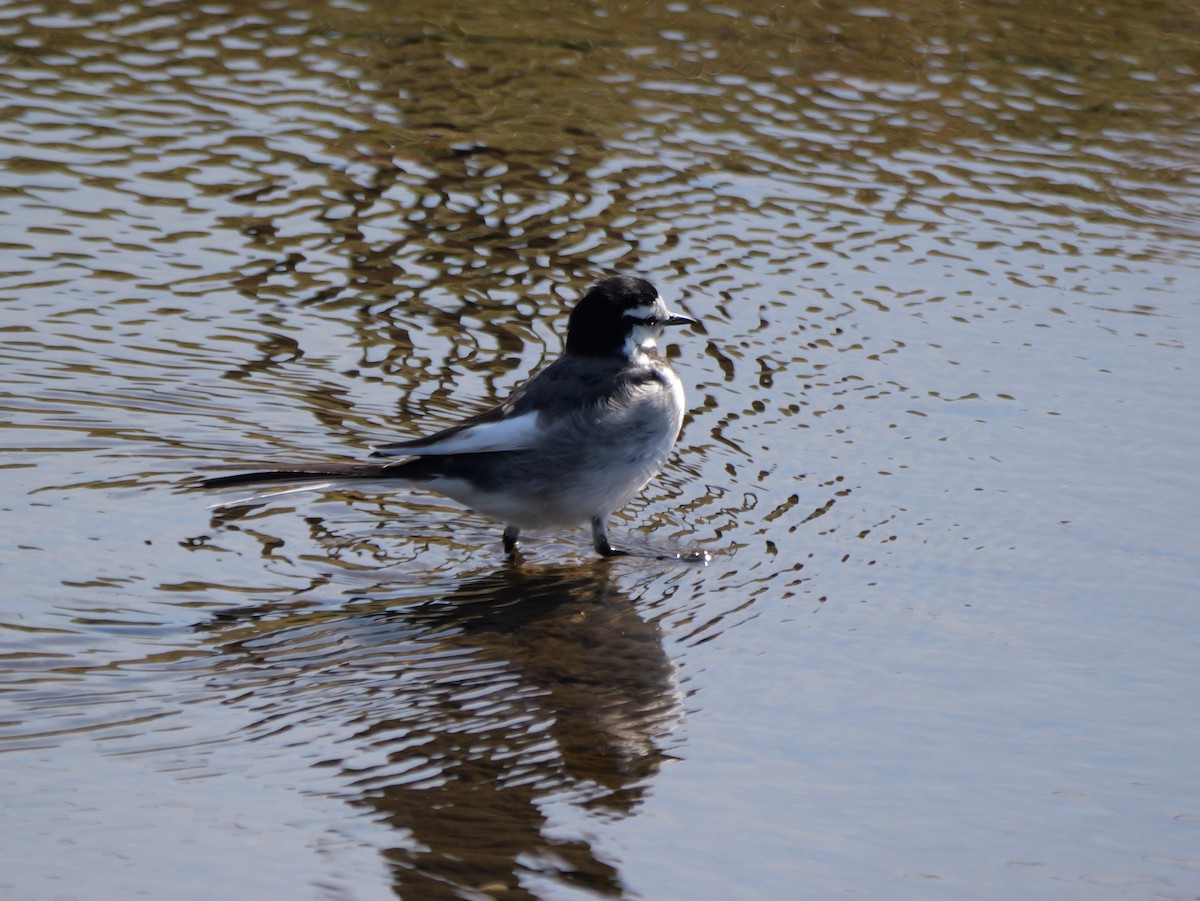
941 448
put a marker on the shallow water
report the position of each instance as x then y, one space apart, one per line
941 448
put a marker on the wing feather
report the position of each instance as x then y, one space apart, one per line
568 385
482 435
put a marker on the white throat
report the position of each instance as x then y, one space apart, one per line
639 342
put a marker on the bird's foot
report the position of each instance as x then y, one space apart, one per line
511 534
702 557
604 549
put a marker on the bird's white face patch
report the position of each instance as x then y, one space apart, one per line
648 325
654 310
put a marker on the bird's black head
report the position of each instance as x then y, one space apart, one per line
617 315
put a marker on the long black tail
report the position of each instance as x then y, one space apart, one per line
307 472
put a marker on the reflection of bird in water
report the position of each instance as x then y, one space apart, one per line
462 719
572 445
601 668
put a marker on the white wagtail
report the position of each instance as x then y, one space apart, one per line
571 445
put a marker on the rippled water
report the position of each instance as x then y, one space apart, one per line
941 446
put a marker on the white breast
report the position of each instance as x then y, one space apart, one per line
633 443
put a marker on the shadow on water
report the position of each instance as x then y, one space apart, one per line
467 714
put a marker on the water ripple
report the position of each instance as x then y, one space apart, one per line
924 246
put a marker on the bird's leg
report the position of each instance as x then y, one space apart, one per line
604 549
600 539
510 540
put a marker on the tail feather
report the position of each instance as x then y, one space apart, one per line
303 472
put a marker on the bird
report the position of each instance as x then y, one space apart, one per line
570 446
